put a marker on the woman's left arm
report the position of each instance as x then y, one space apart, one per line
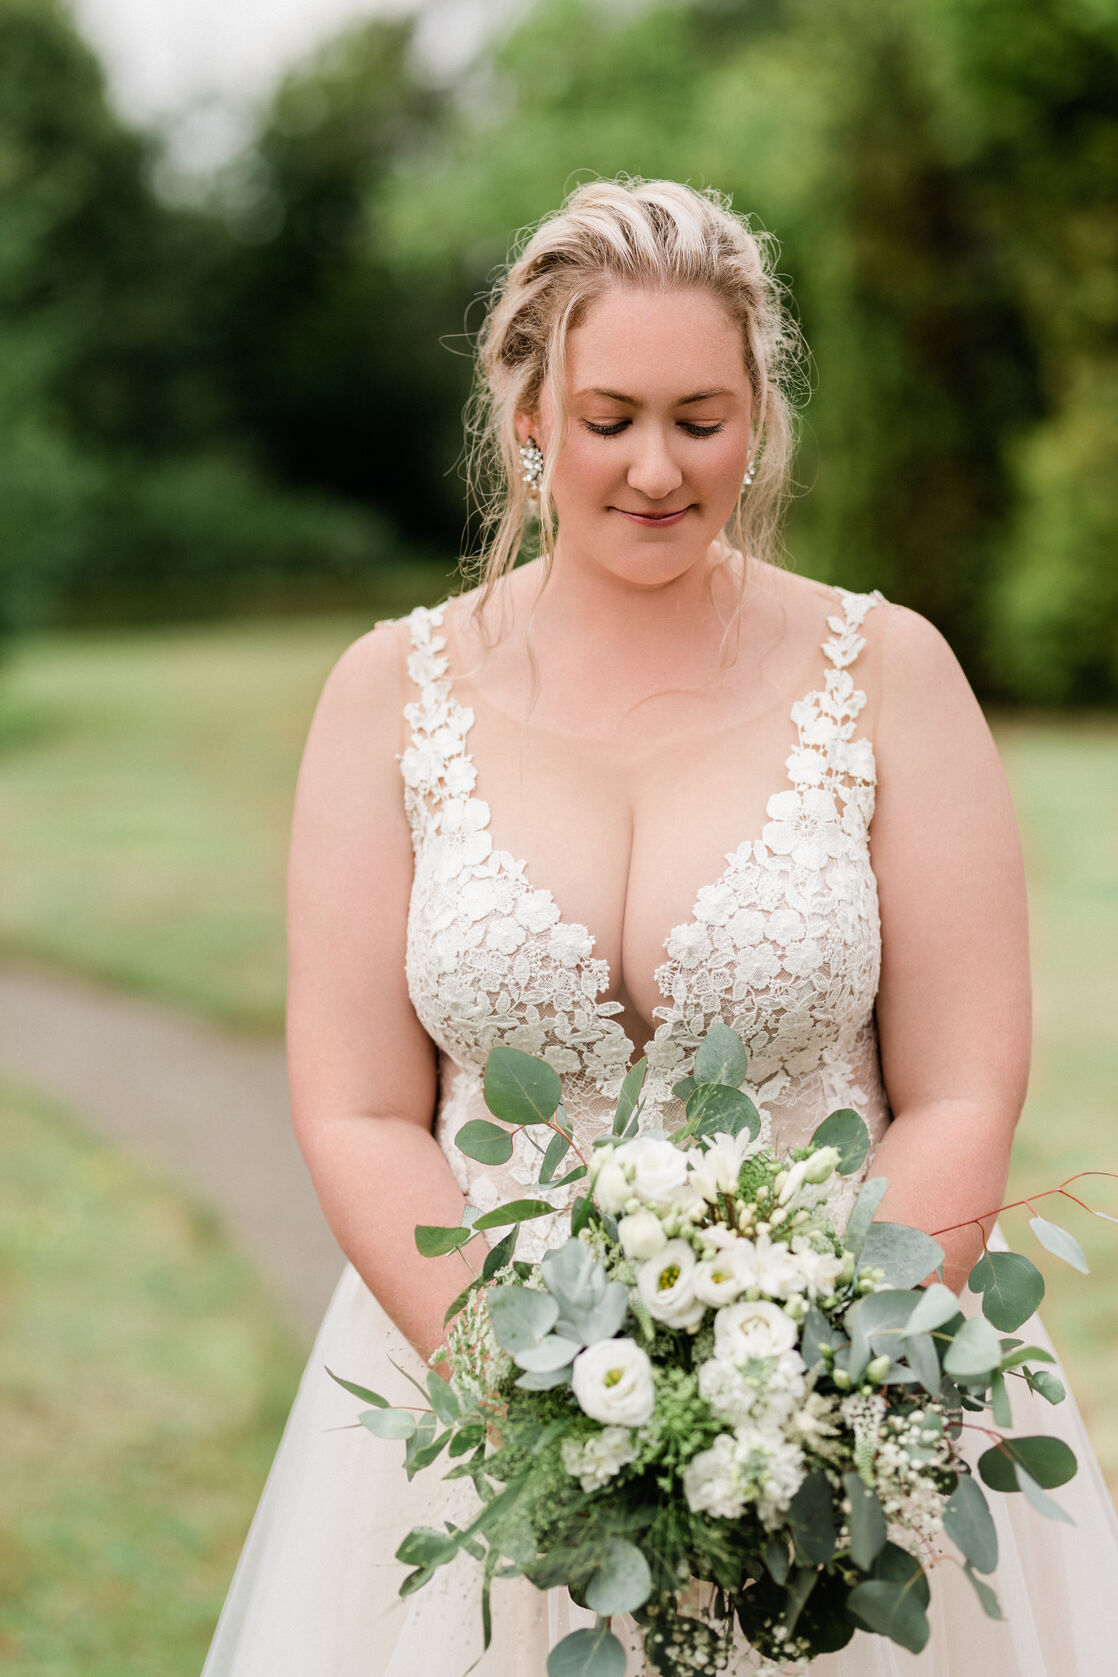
954 1005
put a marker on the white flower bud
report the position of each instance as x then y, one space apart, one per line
641 1234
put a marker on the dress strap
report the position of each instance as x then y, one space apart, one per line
434 763
844 642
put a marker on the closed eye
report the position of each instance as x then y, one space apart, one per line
687 425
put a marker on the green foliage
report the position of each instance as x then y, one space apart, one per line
847 1131
1011 1288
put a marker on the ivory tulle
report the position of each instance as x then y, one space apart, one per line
315 1594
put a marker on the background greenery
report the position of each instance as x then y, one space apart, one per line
245 407
254 401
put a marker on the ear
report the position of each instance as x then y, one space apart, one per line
526 426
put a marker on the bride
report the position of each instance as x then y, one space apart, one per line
647 780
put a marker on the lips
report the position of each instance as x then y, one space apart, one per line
653 520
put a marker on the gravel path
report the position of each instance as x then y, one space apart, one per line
201 1105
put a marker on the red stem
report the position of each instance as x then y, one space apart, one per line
1014 1205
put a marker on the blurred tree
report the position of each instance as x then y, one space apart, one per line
331 360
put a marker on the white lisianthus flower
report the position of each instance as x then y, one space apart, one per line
768 1266
612 1381
611 1187
666 1283
757 1329
641 1235
716 1280
594 1461
714 1170
710 1480
657 1169
818 1271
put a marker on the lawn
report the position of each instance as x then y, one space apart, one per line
143 1387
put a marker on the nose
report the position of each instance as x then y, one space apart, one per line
653 470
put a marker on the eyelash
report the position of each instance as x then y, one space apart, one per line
693 430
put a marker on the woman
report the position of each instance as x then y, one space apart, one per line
685 745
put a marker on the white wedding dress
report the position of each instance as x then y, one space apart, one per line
785 947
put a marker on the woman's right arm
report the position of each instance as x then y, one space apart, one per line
361 1067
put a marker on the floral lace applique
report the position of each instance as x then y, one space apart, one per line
784 945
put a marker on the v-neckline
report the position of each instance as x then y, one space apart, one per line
517 869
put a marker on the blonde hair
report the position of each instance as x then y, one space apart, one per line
632 232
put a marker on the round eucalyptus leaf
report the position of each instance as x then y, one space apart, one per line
1011 1288
974 1353
622 1582
433 1241
721 1057
906 1255
1047 1384
519 1088
486 1142
1048 1461
1060 1243
550 1354
520 1316
587 1653
891 1610
846 1130
937 1305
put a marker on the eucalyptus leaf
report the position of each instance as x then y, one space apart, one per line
519 1088
587 1653
622 1581
818 1335
906 1255
869 1198
456 1304
600 1320
876 1324
923 1359
389 1423
433 1241
501 1254
1000 1407
568 1271
846 1130
1048 1461
557 1148
521 1316
550 1354
1011 1288
714 1109
685 1088
777 1560
811 1517
416 1580
969 1524
424 1454
868 1532
937 1304
974 1353
1041 1501
1027 1354
362 1392
891 1610
544 1380
443 1400
721 1057
896 1566
1042 1381
1060 1243
629 1096
988 1601
516 1211
486 1142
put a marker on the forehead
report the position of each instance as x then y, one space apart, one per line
644 342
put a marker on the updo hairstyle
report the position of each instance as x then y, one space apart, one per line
654 234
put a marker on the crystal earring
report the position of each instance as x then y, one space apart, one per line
748 478
532 461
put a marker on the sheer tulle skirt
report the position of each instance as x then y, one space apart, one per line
316 1588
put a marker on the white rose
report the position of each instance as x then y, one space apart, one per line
659 1169
753 1329
716 1280
641 1235
611 1187
666 1284
612 1382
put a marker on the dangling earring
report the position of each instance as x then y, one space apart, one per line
532 461
748 478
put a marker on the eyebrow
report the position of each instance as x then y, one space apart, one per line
631 401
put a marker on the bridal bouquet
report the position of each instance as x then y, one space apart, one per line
707 1408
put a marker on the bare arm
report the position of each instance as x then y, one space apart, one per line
953 1008
361 1067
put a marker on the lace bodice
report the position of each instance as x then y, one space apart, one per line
784 946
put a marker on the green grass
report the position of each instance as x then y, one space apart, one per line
143 1386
